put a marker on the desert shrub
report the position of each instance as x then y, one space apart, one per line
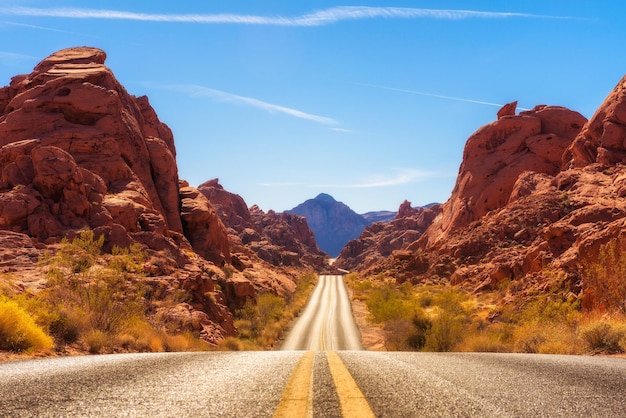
127 260
604 336
388 303
81 253
261 323
604 277
231 344
486 342
551 309
416 340
18 330
529 338
96 341
397 334
244 326
445 333
64 329
100 290
139 335
184 342
270 308
450 320
360 288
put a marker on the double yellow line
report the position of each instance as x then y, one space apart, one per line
297 398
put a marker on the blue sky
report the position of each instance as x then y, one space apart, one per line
370 101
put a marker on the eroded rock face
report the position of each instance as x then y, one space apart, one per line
382 240
496 155
202 226
602 139
74 134
537 198
77 151
278 239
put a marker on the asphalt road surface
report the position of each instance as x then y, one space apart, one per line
257 384
332 378
327 322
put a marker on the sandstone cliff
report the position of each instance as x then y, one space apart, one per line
77 152
537 196
268 241
387 239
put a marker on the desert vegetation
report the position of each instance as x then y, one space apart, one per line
449 318
93 302
263 322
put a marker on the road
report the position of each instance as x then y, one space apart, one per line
324 380
257 384
326 323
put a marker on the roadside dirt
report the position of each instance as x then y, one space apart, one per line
372 336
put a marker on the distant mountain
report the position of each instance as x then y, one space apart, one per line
333 223
380 216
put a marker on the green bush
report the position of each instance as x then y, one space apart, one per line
388 303
270 308
445 333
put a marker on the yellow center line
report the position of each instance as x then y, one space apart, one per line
296 400
351 399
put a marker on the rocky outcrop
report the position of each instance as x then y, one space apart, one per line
387 239
497 154
278 239
332 222
78 152
537 199
202 226
602 139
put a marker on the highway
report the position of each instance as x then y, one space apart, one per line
326 323
319 377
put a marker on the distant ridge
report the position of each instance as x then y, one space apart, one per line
379 216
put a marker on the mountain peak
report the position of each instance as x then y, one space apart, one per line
325 198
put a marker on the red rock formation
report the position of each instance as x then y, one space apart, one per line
537 198
496 155
507 110
77 151
602 139
279 239
72 102
202 226
387 239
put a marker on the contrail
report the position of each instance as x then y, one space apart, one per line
219 95
440 96
316 18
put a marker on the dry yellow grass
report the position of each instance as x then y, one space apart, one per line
18 330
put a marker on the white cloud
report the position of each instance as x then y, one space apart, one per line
317 18
222 96
342 130
399 176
